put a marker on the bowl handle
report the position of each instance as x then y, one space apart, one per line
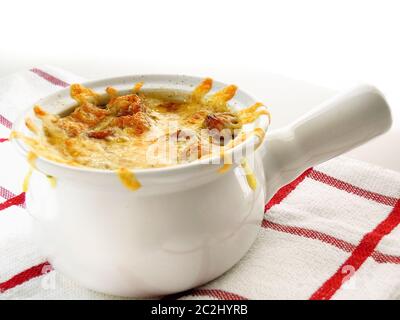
340 124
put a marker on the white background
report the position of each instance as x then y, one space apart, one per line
330 43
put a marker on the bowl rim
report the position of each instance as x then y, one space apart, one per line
263 120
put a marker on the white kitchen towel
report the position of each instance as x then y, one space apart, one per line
333 233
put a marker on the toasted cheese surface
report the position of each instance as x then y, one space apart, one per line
141 128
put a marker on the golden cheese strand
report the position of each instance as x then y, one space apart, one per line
251 113
128 179
31 157
248 118
31 126
221 97
27 179
225 168
112 92
52 180
250 109
137 87
201 90
250 177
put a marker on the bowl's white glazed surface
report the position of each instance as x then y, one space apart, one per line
188 224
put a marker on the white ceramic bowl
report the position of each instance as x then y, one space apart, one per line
188 224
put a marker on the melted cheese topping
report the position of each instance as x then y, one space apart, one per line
142 129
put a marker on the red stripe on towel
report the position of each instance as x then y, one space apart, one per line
218 294
342 185
49 78
213 293
385 258
25 276
14 201
5 122
52 79
311 234
328 239
365 249
286 190
7 194
360 253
